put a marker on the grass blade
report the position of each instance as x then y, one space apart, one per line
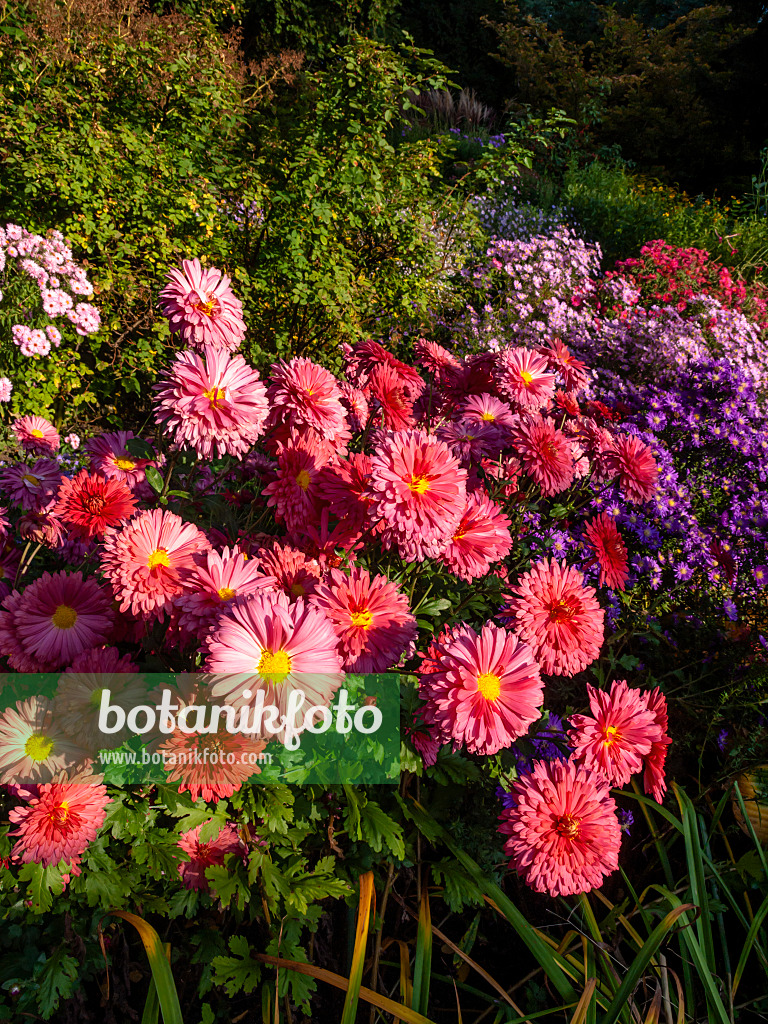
694 860
583 1005
158 962
367 896
151 1014
538 949
422 965
749 943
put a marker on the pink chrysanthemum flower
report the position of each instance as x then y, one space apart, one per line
618 736
482 537
60 615
216 580
87 505
202 308
290 570
32 747
356 405
545 454
654 779
391 394
632 461
558 616
206 853
344 486
77 702
605 540
34 486
264 645
488 409
148 560
370 617
524 377
295 494
425 739
308 395
367 355
482 689
574 373
110 457
434 358
564 834
36 434
58 823
214 403
419 493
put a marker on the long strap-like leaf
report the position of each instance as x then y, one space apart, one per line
158 962
367 896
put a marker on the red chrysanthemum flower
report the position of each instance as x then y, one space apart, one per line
207 853
482 689
434 358
36 434
419 493
365 356
618 736
356 405
370 617
58 823
344 486
574 373
392 396
202 308
632 461
148 560
87 505
564 835
653 778
215 403
110 457
545 453
524 377
605 540
291 570
558 616
482 537
295 495
306 395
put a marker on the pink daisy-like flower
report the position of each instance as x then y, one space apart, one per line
43 528
214 403
60 615
574 373
216 580
290 570
470 440
367 355
425 739
32 747
434 358
202 308
524 377
264 645
295 494
206 853
77 702
618 737
482 537
391 393
558 616
482 689
654 779
58 823
87 505
632 461
110 457
605 540
33 487
488 409
148 559
419 493
564 834
308 395
370 617
36 434
545 454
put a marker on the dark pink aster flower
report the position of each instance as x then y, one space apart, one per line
482 537
545 454
303 394
632 461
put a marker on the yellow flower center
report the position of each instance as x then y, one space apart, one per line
125 464
38 747
568 826
158 557
611 735
33 480
303 479
489 685
419 484
561 611
364 620
274 666
95 699
215 395
36 433
226 593
64 617
527 378
59 815
206 307
488 417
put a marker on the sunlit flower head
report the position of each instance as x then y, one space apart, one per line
524 377
87 504
202 308
482 537
606 542
58 823
36 434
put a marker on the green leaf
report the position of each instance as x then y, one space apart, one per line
154 479
380 831
239 972
55 980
